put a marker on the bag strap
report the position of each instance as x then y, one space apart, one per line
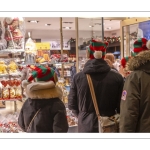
93 95
33 119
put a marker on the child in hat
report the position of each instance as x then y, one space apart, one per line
43 111
123 67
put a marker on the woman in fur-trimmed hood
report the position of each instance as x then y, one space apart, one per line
43 111
135 100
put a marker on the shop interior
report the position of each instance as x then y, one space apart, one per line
61 43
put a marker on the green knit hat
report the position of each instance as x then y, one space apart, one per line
42 73
97 49
140 45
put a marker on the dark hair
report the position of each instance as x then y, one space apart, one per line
10 55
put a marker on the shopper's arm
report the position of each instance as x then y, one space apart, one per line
21 120
60 124
129 110
120 93
72 98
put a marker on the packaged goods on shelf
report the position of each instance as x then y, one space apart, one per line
3 43
9 67
43 56
72 120
65 87
14 32
8 123
10 89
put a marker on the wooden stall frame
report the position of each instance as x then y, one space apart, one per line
126 23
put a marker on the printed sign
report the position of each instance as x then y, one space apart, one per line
43 46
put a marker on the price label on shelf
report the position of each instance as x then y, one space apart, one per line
43 46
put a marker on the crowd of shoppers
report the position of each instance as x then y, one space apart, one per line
120 86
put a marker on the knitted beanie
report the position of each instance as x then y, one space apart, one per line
140 45
97 49
124 61
42 73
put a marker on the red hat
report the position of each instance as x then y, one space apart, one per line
42 73
97 49
124 61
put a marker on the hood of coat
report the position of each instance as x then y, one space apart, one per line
96 66
42 90
140 62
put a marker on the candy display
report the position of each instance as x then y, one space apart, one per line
2 41
40 60
12 67
14 32
3 68
8 123
10 89
63 84
43 56
9 67
72 120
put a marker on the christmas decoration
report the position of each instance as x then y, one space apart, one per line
112 39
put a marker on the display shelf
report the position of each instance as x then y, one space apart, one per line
4 75
10 75
59 63
10 100
14 51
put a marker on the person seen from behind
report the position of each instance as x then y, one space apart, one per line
107 84
135 100
43 111
111 57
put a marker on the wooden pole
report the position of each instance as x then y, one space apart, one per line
61 39
127 40
122 40
77 50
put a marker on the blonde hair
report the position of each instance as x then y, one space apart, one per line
108 62
111 57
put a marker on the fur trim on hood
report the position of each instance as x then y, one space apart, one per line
138 61
42 90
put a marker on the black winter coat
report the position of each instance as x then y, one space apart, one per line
108 86
52 114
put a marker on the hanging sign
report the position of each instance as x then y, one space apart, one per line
43 46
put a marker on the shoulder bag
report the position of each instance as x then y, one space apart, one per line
32 120
105 124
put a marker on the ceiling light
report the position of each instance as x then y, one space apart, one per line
33 21
47 24
68 22
97 23
91 26
108 28
67 27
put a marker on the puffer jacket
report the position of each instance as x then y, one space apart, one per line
52 115
108 86
135 100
